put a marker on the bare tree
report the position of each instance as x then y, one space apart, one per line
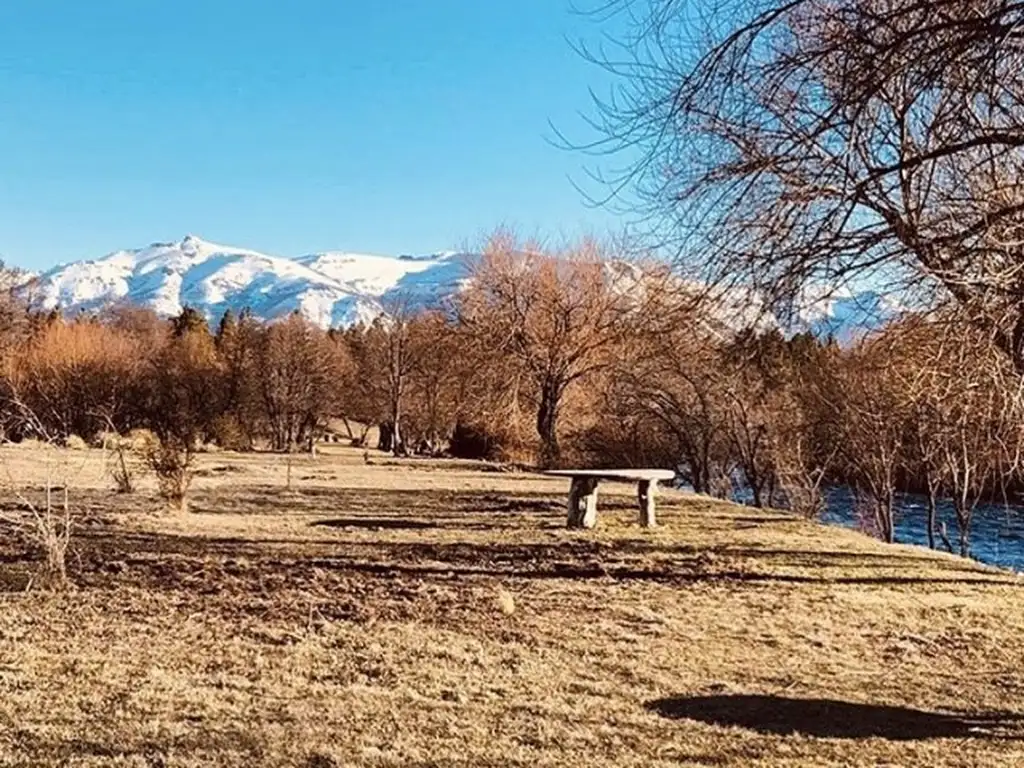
679 380
183 396
965 400
47 521
870 429
300 373
789 143
396 354
435 382
560 316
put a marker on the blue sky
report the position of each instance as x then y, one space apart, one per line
287 126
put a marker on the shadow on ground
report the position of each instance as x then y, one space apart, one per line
432 502
830 719
435 534
375 523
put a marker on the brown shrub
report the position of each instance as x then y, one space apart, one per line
172 462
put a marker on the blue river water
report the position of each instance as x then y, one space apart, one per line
997 530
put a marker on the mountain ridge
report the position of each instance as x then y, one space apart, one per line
331 288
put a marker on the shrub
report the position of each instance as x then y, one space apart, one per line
140 439
172 462
228 433
75 443
470 441
122 465
104 439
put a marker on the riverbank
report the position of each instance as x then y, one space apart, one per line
997 530
423 613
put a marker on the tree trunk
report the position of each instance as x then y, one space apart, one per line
963 524
397 447
698 473
582 503
755 487
547 424
931 518
886 525
645 495
386 437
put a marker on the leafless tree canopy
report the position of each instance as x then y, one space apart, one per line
788 142
562 316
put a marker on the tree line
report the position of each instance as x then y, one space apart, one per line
548 358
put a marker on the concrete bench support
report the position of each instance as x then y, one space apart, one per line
645 494
583 492
583 502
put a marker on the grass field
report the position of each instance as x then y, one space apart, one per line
437 614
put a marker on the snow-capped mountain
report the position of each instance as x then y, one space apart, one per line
844 314
338 289
330 289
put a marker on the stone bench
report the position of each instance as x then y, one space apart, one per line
583 492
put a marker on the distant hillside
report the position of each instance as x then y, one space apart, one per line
338 289
330 289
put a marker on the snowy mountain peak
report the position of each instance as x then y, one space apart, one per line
339 289
330 289
191 245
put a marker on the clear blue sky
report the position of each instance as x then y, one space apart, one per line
286 125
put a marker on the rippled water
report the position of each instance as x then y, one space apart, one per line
997 531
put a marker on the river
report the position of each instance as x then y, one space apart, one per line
997 531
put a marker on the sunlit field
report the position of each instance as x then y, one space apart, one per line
435 613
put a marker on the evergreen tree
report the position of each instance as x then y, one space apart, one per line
188 321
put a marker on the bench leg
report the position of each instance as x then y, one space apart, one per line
645 495
582 503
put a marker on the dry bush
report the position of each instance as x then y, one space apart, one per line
104 439
45 520
121 472
139 438
46 523
172 461
470 441
123 461
228 432
76 377
799 478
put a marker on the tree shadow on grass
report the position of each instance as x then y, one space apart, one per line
831 719
166 559
355 502
375 523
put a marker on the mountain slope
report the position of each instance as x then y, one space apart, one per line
845 315
338 289
330 289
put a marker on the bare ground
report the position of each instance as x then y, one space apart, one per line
434 614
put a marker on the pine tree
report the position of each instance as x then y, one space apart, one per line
188 321
227 329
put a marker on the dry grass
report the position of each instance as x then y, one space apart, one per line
429 615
